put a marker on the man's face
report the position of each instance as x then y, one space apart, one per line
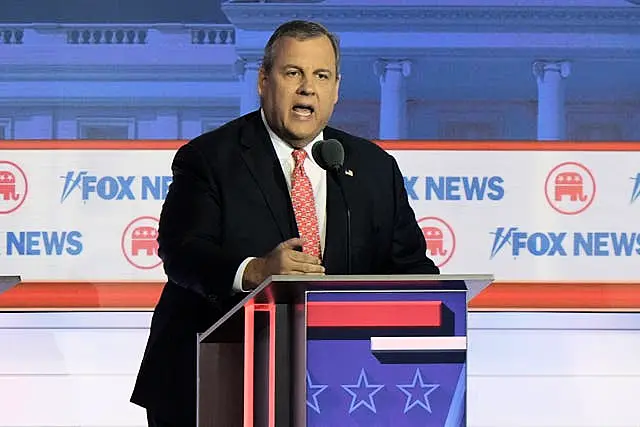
300 91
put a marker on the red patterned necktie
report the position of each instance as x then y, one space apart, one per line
304 206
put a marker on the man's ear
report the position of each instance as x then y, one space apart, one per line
337 91
262 77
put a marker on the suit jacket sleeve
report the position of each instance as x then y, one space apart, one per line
408 246
190 231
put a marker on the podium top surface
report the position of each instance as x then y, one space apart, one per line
474 283
8 282
292 289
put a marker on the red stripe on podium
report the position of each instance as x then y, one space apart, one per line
332 314
272 365
249 327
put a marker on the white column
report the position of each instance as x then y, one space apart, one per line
248 74
551 103
393 98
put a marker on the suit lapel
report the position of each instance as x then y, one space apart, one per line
260 157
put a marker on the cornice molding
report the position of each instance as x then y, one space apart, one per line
452 54
195 72
399 18
199 102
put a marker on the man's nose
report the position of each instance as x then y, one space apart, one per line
306 87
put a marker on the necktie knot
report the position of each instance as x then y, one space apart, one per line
299 155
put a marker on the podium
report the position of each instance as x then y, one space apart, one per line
340 351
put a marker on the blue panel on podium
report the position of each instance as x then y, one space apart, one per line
382 358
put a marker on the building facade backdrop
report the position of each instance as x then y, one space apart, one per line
418 69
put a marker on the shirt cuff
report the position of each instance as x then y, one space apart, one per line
237 281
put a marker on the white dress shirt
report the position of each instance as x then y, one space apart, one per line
316 174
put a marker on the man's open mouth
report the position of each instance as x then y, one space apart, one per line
303 109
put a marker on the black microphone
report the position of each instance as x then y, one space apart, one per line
329 155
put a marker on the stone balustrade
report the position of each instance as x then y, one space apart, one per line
115 34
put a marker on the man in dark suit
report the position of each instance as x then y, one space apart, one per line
248 201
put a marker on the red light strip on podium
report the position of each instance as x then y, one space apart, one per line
398 314
249 326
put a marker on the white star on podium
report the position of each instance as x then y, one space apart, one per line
368 401
314 394
418 393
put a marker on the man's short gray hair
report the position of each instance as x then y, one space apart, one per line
300 30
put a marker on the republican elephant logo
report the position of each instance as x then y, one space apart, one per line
434 238
439 238
569 184
144 238
139 243
13 187
8 186
570 188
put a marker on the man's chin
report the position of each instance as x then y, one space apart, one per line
299 137
298 142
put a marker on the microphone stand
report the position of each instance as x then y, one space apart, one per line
338 177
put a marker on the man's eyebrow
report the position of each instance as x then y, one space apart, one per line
297 67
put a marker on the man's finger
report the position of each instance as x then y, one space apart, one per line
292 243
302 257
303 267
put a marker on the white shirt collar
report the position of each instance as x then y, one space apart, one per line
284 150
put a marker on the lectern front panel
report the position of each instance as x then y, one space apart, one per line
394 359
